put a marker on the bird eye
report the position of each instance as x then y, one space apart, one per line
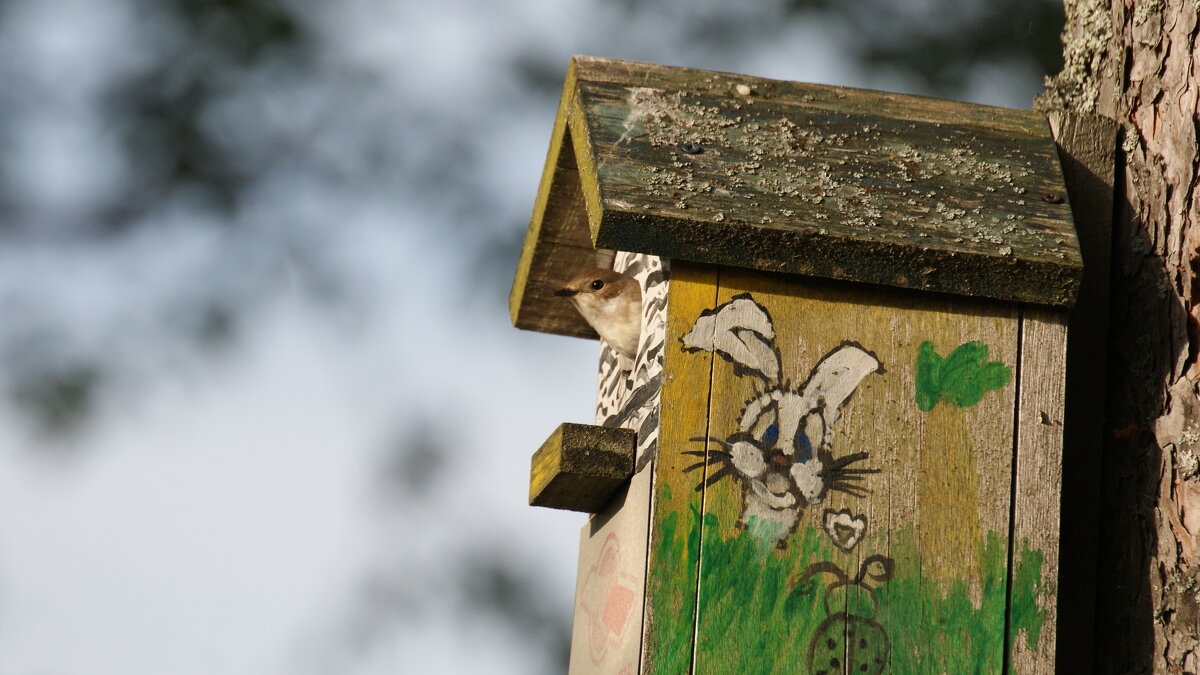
597 285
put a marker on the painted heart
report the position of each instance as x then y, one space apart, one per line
844 529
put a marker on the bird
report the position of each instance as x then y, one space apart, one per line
611 303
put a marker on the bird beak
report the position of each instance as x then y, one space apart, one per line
565 292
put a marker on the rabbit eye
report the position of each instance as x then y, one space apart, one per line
804 451
811 430
771 434
765 428
597 285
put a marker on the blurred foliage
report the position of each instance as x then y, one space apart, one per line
57 399
941 42
414 461
497 587
937 44
511 592
211 48
489 584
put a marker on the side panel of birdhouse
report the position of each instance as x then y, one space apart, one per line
845 504
606 633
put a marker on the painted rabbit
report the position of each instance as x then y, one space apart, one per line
781 451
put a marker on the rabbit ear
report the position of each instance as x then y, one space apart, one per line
741 332
836 377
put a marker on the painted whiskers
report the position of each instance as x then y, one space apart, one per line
781 453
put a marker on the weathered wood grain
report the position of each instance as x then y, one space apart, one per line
923 548
1087 146
581 466
557 244
823 181
1038 480
860 197
843 100
672 569
938 510
931 549
606 633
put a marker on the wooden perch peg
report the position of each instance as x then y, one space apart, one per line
580 467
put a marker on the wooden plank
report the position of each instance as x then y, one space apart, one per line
965 493
671 574
581 466
1037 489
557 244
923 582
1087 144
606 635
844 100
677 163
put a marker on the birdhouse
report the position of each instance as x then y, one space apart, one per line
838 448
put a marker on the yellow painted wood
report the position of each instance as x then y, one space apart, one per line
1039 471
557 244
944 480
580 466
966 461
581 140
674 522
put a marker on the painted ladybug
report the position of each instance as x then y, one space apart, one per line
844 643
850 640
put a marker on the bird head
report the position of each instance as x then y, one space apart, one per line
599 286
611 303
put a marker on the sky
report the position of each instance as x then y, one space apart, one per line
274 419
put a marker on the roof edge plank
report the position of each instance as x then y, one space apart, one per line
826 181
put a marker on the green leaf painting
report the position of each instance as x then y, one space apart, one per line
960 379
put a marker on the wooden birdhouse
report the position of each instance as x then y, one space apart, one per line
838 447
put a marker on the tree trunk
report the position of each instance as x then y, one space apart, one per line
1137 64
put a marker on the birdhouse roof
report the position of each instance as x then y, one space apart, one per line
798 178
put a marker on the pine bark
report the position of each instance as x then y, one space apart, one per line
1136 63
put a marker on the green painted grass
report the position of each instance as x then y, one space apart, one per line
750 604
671 589
756 618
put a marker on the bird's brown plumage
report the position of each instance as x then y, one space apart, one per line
611 303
